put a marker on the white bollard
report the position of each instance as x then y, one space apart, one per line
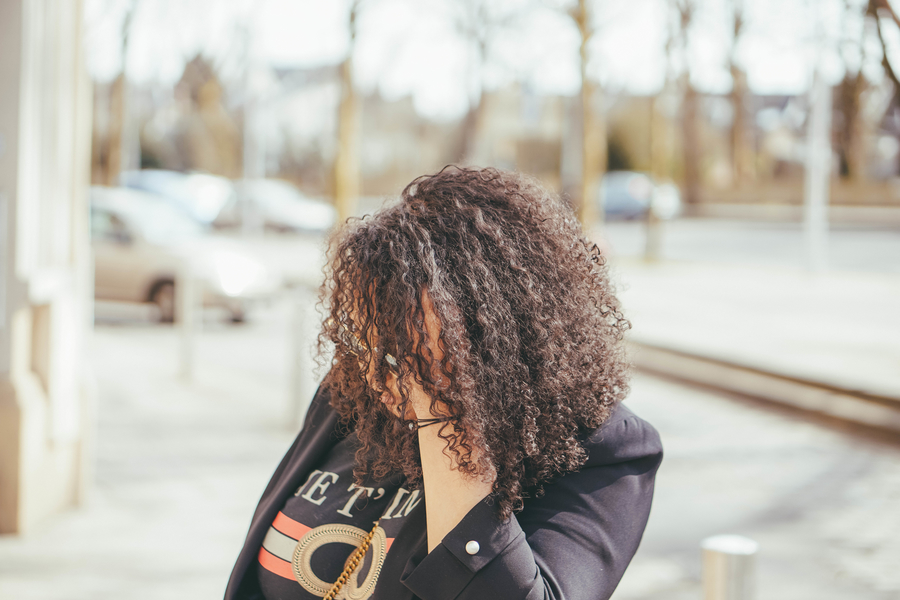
729 567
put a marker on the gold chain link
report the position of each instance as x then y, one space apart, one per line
352 563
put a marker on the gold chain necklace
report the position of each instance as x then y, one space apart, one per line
352 563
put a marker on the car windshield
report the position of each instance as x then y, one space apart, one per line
274 194
160 222
202 195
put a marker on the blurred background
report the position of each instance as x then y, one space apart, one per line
170 171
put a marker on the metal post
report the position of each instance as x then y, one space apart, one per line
185 302
303 338
818 172
729 567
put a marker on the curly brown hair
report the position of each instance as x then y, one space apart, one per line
530 329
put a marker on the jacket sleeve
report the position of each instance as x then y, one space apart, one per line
573 543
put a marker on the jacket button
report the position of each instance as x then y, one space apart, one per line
472 547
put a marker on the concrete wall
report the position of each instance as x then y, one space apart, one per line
45 277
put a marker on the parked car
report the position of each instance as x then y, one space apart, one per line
629 195
200 195
275 205
141 243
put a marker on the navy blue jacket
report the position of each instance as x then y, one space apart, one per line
573 543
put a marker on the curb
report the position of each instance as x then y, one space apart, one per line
885 216
855 406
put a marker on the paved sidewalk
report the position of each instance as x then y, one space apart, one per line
821 502
180 467
836 329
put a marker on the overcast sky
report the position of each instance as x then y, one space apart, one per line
415 47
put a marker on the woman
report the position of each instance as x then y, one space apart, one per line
468 441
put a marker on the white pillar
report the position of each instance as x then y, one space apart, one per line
818 174
45 403
187 313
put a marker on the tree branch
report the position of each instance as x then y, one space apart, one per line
872 10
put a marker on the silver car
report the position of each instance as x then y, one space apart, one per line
200 195
275 205
142 244
625 195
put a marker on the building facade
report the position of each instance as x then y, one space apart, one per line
45 262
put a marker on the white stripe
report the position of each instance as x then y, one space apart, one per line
279 544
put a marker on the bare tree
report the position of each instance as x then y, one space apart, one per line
878 10
478 22
346 162
120 136
593 137
685 11
472 23
741 153
660 151
594 144
853 129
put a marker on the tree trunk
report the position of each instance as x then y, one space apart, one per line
119 139
659 155
691 141
593 155
346 163
593 138
742 160
113 165
853 126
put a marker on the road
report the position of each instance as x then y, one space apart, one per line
851 248
180 467
821 502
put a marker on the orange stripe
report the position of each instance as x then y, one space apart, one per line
272 563
289 527
389 542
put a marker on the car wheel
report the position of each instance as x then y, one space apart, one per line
163 297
